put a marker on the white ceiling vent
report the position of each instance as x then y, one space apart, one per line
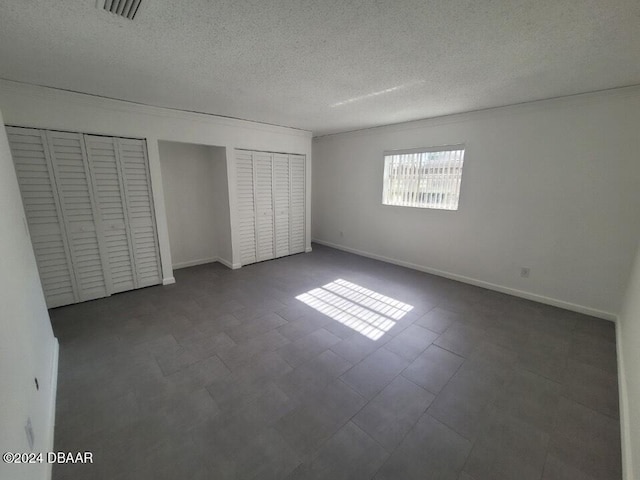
122 8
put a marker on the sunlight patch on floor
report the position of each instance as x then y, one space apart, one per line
365 311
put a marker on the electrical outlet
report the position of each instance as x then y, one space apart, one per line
341 234
28 428
525 272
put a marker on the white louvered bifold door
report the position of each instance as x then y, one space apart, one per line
246 207
263 191
75 191
281 199
109 192
44 217
297 204
139 203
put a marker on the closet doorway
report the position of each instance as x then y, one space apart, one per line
196 195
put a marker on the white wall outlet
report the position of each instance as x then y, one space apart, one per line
341 234
525 272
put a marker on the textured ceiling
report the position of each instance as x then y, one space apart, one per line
325 65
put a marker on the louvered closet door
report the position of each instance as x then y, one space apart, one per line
44 217
281 198
246 207
103 154
263 188
139 202
72 177
297 205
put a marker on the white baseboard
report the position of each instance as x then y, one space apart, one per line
193 263
625 433
308 249
202 261
52 401
225 262
168 281
479 283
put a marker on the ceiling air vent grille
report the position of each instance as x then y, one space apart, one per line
122 8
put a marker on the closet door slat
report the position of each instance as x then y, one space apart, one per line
140 211
281 200
109 191
297 223
75 190
30 153
246 207
263 191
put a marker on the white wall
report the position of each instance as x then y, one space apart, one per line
551 185
628 333
28 349
187 180
38 107
196 196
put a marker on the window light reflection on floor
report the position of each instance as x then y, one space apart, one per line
365 311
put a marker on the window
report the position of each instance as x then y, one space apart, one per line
423 178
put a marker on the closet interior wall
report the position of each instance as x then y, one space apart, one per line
196 197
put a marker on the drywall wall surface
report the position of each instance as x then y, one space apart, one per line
552 186
222 207
628 334
39 107
187 179
28 349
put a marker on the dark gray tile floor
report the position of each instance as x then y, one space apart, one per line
227 375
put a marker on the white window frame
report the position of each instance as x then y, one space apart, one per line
432 186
